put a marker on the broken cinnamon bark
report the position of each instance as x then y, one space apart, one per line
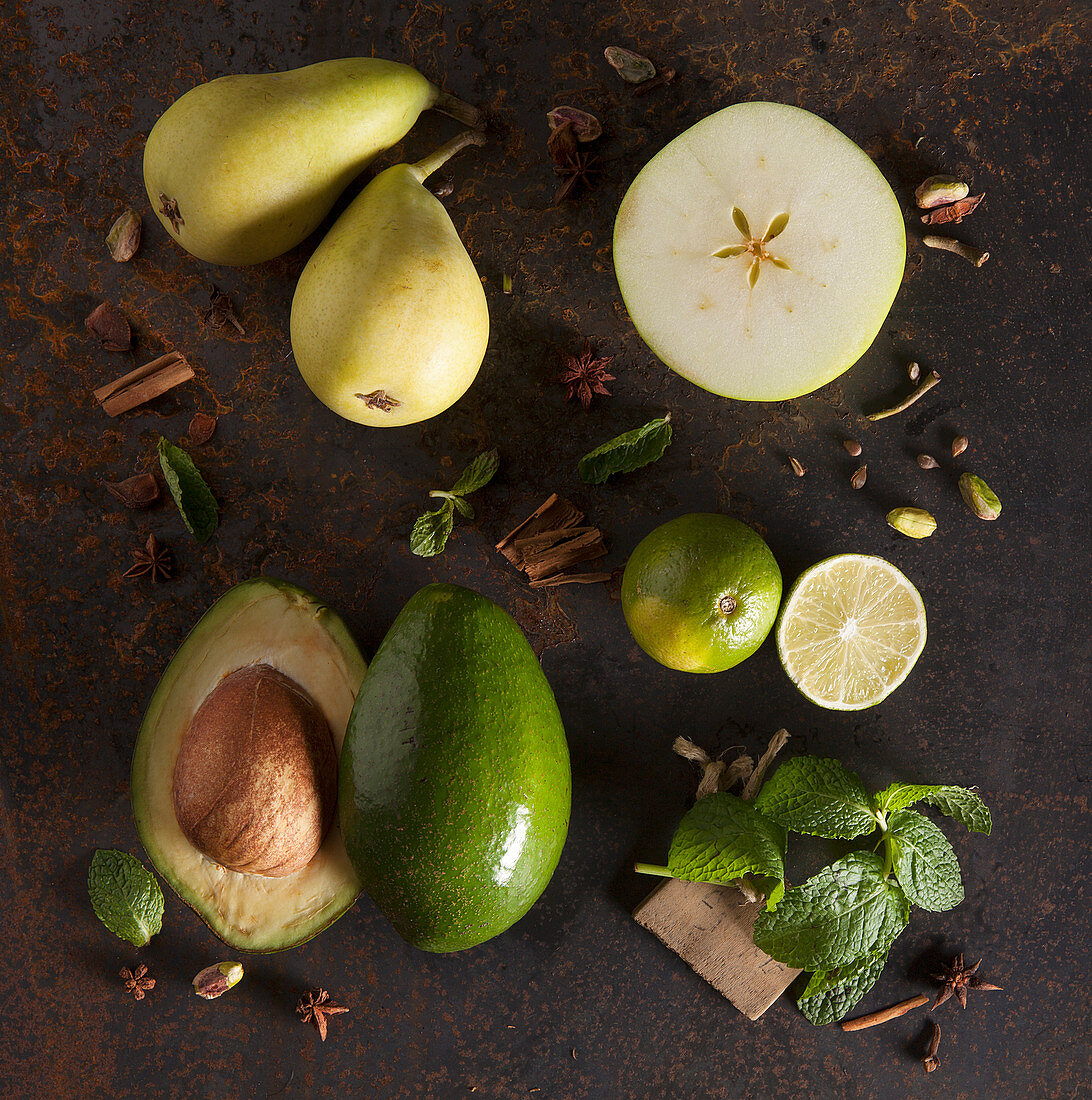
551 541
143 384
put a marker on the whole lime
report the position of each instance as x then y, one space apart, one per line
700 593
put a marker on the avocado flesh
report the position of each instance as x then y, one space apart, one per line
454 786
261 620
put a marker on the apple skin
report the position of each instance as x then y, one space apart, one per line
793 330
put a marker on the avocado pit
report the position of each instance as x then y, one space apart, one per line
255 780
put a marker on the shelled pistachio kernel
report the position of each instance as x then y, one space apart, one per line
914 523
216 980
939 191
979 497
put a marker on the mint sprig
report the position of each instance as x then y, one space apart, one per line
193 497
125 896
627 452
841 922
431 531
723 838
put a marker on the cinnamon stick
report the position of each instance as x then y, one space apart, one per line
885 1014
143 384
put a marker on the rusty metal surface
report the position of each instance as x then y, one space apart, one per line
577 1000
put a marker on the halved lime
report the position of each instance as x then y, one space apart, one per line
850 631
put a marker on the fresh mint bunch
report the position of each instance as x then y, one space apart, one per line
841 922
430 533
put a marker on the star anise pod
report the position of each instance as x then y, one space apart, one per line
153 561
957 978
573 166
584 376
314 1007
137 982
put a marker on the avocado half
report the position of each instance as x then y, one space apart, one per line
261 621
455 786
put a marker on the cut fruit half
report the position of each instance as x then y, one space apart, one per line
851 630
261 622
759 252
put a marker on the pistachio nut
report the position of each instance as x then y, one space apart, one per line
939 191
915 523
980 498
123 240
216 980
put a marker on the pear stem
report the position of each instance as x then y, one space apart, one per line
457 109
436 159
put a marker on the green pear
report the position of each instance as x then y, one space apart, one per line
243 168
389 319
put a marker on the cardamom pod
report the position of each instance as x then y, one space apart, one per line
980 498
214 981
914 523
939 191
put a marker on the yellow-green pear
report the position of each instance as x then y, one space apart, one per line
242 168
389 319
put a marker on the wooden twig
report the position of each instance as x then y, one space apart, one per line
930 380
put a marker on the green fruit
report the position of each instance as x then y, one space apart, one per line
740 262
249 165
389 319
455 784
265 815
700 593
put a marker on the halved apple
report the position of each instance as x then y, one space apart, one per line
759 252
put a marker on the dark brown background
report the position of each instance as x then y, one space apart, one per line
576 1001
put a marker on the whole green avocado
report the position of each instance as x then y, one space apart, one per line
455 786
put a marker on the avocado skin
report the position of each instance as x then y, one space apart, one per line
455 786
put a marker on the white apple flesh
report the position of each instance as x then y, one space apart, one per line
759 252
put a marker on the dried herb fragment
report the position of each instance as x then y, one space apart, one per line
584 376
201 429
956 979
137 981
138 491
189 491
143 384
550 541
627 452
927 384
378 399
123 240
663 77
954 212
153 561
574 167
169 209
630 66
585 126
967 252
110 327
797 467
315 1007
221 312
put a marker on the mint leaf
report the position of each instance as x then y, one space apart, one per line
811 795
464 507
722 838
430 533
958 802
924 863
627 452
193 497
847 910
478 474
830 994
125 896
